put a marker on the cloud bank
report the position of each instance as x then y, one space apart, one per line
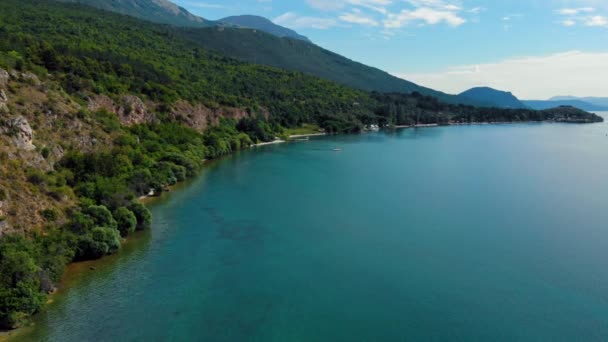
538 77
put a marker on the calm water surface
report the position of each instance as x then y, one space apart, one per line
487 233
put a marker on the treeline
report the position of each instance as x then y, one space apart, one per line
107 183
415 108
93 51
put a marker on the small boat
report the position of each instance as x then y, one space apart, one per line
337 150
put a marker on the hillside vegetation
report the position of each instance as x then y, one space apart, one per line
97 109
159 11
264 44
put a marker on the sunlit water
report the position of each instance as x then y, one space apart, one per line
492 232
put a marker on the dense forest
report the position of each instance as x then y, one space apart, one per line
79 52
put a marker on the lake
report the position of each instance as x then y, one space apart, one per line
476 233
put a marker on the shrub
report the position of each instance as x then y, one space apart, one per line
101 216
45 152
50 215
101 241
143 215
127 222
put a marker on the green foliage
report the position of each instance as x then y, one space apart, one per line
19 281
50 215
142 214
101 216
99 242
127 222
92 52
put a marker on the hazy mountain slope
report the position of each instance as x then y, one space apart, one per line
540 105
262 24
495 97
598 101
159 11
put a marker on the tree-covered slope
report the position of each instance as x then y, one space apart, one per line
289 54
260 23
159 11
270 49
501 99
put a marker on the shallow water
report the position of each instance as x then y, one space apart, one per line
492 232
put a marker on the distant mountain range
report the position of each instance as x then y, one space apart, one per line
262 24
263 42
598 101
540 104
493 97
503 99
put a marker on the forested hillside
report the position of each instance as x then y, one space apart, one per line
159 11
265 45
97 109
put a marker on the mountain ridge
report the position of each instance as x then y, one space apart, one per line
598 101
159 11
499 98
256 47
263 24
543 104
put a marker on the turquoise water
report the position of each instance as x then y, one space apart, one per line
486 233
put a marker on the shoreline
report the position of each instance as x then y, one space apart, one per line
82 267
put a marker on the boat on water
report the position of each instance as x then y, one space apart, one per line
337 150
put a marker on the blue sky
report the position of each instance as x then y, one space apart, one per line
450 45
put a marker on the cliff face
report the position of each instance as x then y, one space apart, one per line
39 122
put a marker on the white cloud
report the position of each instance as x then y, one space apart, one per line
575 11
427 15
385 13
597 20
568 22
357 17
329 5
583 15
540 77
476 10
293 20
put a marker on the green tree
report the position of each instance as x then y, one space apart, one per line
127 222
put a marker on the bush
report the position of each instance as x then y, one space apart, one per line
101 216
102 241
45 152
36 177
20 294
50 215
143 215
127 222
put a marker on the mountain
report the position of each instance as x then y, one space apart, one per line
540 105
258 47
598 101
501 99
262 24
159 11
297 55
